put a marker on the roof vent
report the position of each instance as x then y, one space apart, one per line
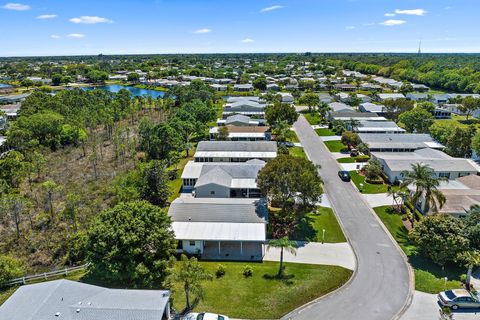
78 310
89 303
57 314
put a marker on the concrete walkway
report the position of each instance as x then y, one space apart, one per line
352 166
333 254
331 138
319 126
425 307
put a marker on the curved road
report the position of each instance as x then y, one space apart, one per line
380 287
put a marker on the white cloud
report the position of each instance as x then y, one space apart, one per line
202 31
369 24
47 16
350 27
54 36
393 22
275 7
76 35
412 12
389 14
248 40
90 20
17 6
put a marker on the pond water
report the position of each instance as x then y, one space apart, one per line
4 85
136 92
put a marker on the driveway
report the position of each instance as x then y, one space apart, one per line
424 307
378 199
333 254
381 285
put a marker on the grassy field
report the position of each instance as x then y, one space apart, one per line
429 277
334 146
176 185
346 160
312 118
325 132
297 152
260 296
367 187
311 227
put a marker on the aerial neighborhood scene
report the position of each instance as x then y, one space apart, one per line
216 160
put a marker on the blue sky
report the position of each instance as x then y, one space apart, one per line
67 27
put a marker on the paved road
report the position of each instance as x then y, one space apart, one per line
380 287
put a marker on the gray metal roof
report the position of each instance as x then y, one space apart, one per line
238 118
70 300
371 107
237 146
222 174
399 141
230 210
339 106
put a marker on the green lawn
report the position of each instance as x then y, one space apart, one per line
346 160
367 187
176 185
297 152
312 118
325 132
429 277
311 227
335 146
260 296
293 138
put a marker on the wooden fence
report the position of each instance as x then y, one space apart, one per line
45 275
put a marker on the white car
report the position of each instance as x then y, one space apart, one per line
205 316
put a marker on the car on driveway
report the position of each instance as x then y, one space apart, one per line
344 175
459 299
205 316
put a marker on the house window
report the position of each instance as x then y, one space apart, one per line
192 243
463 174
444 175
212 193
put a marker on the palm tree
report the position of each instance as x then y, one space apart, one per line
323 109
284 244
353 124
282 131
191 274
426 184
471 259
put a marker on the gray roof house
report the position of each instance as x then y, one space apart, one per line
235 151
347 115
244 107
390 96
220 228
393 163
70 300
238 120
222 180
339 106
399 142
243 87
371 107
378 127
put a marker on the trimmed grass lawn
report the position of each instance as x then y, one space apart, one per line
325 132
312 118
260 296
297 152
429 277
311 227
294 137
346 160
367 187
334 146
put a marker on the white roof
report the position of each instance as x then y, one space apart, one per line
2 140
244 184
235 154
219 231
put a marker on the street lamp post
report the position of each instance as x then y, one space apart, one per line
323 236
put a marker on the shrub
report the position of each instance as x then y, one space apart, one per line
247 271
172 174
363 158
376 180
220 271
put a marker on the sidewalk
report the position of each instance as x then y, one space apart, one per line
333 254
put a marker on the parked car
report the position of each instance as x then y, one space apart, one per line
458 299
344 175
205 316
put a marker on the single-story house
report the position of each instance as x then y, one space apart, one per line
390 96
460 194
235 151
442 113
239 121
420 87
244 133
394 163
71 300
244 107
418 96
243 87
371 107
440 98
222 180
11 110
219 87
355 115
220 228
325 97
286 97
247 98
14 98
371 87
378 127
339 107
273 87
407 142
345 87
